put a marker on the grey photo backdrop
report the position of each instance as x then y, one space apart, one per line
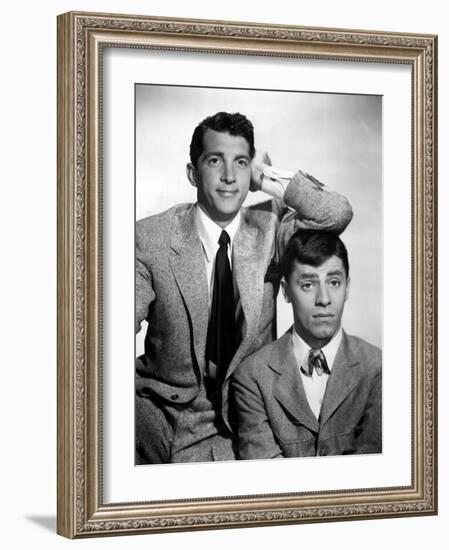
335 137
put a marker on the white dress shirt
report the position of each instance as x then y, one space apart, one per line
315 385
209 233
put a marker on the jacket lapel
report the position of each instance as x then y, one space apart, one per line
344 377
248 258
189 270
288 388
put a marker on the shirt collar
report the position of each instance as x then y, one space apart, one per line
301 349
210 232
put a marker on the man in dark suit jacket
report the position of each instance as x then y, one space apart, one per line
316 390
182 402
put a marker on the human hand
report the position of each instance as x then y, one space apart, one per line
261 159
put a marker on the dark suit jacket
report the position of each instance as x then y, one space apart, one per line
275 418
172 293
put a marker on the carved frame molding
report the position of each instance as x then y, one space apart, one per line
81 37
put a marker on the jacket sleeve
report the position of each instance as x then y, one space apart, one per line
308 205
316 206
255 436
368 432
144 285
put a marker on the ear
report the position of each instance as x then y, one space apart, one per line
285 290
348 284
192 174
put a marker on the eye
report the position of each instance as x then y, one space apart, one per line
335 283
213 161
307 286
243 162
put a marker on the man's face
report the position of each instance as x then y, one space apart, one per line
318 296
222 176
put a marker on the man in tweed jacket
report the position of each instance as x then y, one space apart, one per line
182 413
317 390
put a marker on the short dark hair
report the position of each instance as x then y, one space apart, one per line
234 124
312 247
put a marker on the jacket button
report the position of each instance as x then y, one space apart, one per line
174 397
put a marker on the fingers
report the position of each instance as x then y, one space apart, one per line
261 158
266 158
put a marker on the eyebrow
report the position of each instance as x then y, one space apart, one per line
221 154
308 276
336 272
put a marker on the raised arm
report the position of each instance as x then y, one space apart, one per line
313 204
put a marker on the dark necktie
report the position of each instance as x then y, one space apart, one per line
221 334
316 361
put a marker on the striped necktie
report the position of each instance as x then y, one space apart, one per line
316 361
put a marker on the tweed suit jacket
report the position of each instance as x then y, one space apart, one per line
275 419
172 293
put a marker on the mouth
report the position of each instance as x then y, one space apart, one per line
323 316
226 192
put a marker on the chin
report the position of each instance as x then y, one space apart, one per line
227 214
324 334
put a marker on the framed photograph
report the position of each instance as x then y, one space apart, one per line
246 274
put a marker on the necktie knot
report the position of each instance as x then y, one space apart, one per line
316 361
224 239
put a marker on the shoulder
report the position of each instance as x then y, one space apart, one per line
255 366
262 213
160 225
162 218
370 355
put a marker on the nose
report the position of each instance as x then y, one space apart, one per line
228 175
322 297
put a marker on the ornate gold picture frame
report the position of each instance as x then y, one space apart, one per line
83 39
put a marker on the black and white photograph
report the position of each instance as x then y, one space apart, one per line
223 236
259 269
246 274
